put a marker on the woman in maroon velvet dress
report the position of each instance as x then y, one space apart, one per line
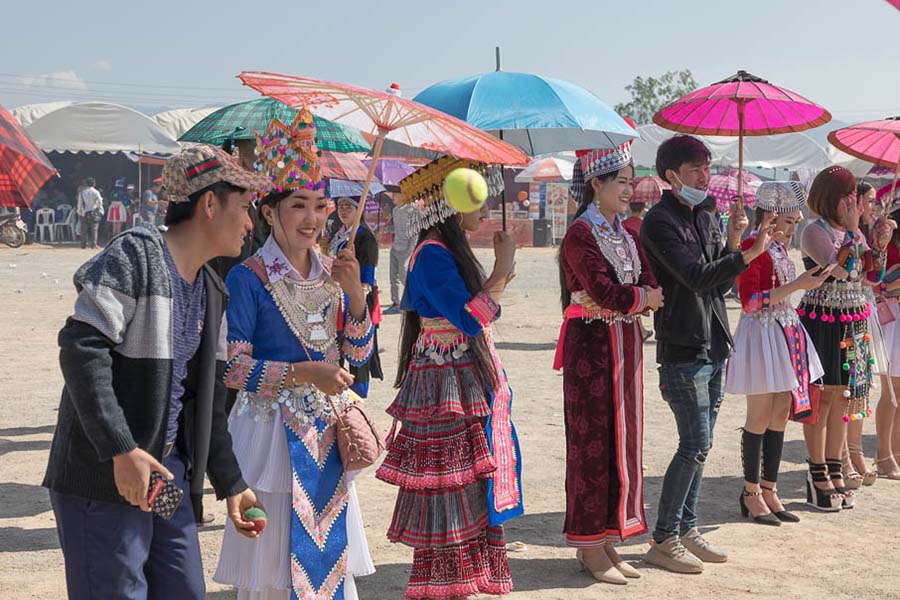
606 284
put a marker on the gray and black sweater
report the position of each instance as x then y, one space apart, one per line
116 357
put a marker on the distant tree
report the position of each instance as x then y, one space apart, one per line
650 94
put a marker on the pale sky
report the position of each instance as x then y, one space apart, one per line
843 54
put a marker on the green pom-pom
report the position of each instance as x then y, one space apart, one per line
253 513
845 366
257 516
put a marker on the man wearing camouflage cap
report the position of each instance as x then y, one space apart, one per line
142 357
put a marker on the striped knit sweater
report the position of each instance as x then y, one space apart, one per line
116 357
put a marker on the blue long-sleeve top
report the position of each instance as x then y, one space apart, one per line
434 288
261 340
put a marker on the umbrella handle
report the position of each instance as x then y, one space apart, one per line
376 153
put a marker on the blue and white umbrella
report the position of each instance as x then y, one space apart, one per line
537 114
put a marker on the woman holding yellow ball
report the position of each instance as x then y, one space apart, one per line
456 459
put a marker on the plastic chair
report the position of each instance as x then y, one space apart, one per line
62 211
66 229
43 225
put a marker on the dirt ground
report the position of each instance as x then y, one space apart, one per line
854 554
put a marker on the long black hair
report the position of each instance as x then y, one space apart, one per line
451 234
587 198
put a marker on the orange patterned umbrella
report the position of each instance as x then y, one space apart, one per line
386 116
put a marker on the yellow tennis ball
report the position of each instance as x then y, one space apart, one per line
465 190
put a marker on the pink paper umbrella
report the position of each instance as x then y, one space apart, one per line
741 105
649 189
873 141
724 187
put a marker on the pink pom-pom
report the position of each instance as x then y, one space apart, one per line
846 418
801 311
813 315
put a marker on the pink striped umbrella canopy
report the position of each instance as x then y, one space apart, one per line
741 105
649 189
724 187
874 141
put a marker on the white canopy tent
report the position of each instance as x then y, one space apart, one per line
176 122
29 113
100 127
791 151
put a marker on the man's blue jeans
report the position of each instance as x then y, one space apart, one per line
694 392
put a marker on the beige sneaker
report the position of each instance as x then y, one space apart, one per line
671 555
702 549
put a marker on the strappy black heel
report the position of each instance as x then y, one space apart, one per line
824 500
768 518
784 516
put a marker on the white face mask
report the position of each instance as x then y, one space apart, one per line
692 196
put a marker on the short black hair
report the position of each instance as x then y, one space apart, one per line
678 150
178 212
637 206
90 181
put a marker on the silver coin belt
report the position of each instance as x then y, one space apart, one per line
305 404
782 313
836 295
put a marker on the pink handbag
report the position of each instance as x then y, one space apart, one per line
359 442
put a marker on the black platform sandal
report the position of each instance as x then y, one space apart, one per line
834 472
824 500
785 516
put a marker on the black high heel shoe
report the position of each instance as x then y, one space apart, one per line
784 516
825 500
766 519
834 472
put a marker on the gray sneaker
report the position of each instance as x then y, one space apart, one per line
671 555
702 549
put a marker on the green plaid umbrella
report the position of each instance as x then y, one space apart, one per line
239 121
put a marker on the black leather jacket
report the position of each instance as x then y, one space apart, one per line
690 261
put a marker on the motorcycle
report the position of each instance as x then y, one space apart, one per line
12 230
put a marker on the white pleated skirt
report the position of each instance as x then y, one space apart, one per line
761 361
260 567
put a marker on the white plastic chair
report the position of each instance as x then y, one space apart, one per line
65 231
44 221
62 211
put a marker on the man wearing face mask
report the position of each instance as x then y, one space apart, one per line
695 268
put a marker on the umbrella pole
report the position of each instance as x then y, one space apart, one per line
376 154
140 173
502 170
741 152
890 199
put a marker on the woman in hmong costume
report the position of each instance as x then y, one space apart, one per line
606 284
365 248
774 360
456 458
291 318
836 316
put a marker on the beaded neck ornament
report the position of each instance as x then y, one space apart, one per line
425 187
288 156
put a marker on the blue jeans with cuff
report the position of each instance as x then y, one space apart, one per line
694 392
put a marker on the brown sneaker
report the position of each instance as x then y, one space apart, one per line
702 549
671 555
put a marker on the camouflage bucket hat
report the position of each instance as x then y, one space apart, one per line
200 166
